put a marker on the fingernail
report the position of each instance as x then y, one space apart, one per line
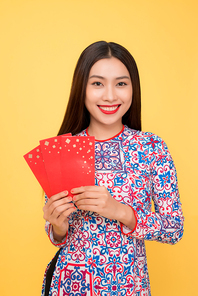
66 192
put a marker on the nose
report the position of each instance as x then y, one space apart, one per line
110 94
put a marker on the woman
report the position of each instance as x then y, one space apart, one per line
101 230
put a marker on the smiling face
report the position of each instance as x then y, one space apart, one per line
108 93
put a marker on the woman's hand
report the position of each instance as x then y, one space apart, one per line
56 211
99 200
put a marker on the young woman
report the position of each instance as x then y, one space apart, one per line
101 230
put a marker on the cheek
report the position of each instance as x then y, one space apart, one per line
127 101
125 94
127 98
92 96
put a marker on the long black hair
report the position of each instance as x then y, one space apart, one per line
76 116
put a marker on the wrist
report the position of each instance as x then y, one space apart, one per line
127 216
58 235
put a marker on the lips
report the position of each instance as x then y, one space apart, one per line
109 109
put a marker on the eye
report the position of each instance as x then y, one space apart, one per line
97 83
121 83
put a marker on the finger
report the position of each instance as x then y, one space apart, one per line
55 198
60 202
86 195
63 212
78 190
60 209
85 188
90 201
49 209
65 215
58 196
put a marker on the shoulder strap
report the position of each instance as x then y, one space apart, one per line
50 272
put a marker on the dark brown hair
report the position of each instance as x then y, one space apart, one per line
76 116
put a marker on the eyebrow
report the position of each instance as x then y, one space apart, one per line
101 77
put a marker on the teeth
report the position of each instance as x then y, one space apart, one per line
109 108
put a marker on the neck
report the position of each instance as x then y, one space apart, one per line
103 132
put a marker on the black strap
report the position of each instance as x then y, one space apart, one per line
50 272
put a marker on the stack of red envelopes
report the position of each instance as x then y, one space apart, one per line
63 162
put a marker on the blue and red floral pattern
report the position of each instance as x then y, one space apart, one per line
102 257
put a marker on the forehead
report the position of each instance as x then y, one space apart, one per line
111 66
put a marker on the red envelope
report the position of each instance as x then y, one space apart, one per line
63 162
35 161
51 151
77 161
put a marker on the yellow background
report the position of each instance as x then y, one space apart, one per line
41 41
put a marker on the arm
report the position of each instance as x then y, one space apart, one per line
166 223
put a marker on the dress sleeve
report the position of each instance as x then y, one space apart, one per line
166 223
48 230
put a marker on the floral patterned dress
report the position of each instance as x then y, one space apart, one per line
103 257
